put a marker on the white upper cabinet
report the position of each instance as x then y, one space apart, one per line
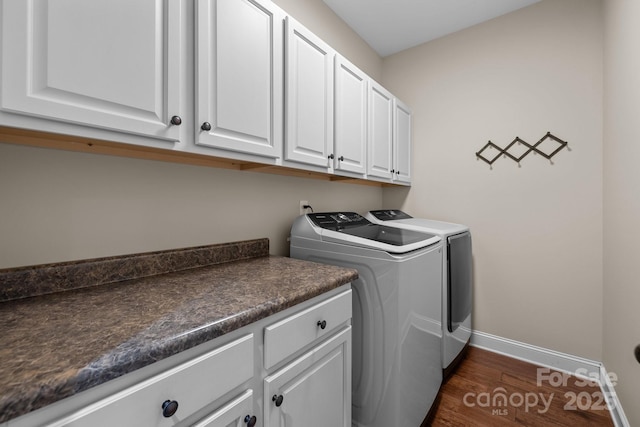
235 79
402 143
379 159
239 76
309 97
389 139
111 65
350 117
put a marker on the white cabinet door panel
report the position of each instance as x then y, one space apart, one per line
350 117
402 142
239 76
309 96
315 389
112 65
380 132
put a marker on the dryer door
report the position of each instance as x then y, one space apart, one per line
459 286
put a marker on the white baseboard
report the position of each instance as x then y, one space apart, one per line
574 365
619 418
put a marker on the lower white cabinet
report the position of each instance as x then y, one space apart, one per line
302 355
314 390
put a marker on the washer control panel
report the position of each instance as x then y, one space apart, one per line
338 220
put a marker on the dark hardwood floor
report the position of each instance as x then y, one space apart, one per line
489 389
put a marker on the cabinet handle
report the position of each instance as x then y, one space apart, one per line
341 158
176 120
250 420
277 399
393 171
331 156
169 407
397 172
206 126
322 324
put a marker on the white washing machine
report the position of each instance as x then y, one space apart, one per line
397 330
456 278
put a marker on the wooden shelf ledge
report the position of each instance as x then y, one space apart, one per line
86 145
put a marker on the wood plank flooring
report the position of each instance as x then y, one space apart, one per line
489 389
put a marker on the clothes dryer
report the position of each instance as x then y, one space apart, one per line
397 330
456 290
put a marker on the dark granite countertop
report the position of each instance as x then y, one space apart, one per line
58 344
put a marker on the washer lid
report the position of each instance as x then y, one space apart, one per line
352 228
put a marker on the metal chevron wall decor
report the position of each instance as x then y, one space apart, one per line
529 148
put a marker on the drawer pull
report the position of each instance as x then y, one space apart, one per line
322 324
176 120
277 399
250 420
169 407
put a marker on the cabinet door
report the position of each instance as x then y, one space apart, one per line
240 76
233 414
309 96
402 142
350 117
106 64
379 161
314 390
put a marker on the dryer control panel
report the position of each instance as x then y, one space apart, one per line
390 214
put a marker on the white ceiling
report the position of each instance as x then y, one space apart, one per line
390 26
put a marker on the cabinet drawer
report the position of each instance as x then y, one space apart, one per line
193 385
293 333
233 413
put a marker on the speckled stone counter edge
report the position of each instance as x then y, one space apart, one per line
24 282
268 285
